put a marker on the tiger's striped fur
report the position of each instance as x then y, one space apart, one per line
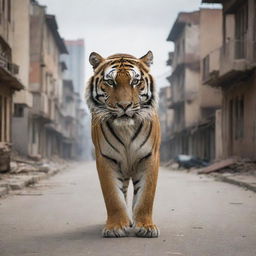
121 96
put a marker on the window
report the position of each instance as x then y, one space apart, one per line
18 110
9 10
206 67
241 27
33 132
237 112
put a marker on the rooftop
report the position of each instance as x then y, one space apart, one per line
183 19
52 24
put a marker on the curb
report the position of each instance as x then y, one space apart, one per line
5 190
234 181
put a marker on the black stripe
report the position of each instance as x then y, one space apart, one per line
145 157
99 96
109 158
137 132
92 98
151 85
147 81
146 139
105 137
128 65
113 133
136 182
136 190
120 179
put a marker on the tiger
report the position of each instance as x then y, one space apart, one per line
121 96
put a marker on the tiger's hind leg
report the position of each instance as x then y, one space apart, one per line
144 183
118 222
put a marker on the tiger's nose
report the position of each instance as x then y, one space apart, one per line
124 105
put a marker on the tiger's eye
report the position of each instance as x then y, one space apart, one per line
135 81
110 82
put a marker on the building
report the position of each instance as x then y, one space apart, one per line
194 104
236 76
9 79
45 82
23 100
75 61
166 121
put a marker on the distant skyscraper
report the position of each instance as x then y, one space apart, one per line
75 62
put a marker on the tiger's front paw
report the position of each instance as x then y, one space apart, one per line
146 230
115 230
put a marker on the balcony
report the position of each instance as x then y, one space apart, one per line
41 105
237 56
191 60
236 59
210 68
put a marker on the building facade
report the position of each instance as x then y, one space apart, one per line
75 61
9 79
46 71
166 121
23 100
194 104
236 76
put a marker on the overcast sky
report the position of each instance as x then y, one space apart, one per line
127 26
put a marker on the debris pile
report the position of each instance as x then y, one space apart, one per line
5 156
232 165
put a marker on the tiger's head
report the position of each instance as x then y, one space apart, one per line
121 87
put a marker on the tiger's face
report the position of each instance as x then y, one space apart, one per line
121 86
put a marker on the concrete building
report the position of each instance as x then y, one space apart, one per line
166 121
23 100
45 78
236 76
194 104
9 80
75 61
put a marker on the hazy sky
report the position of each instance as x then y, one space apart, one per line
127 26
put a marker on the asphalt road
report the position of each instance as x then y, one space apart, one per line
64 215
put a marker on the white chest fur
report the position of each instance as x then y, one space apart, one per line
126 142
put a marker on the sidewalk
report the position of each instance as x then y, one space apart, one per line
26 173
243 180
240 172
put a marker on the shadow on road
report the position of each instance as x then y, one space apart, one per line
90 232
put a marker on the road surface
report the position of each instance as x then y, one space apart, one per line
64 215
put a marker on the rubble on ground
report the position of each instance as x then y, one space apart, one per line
24 172
232 165
5 156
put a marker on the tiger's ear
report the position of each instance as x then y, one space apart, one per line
95 59
148 58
